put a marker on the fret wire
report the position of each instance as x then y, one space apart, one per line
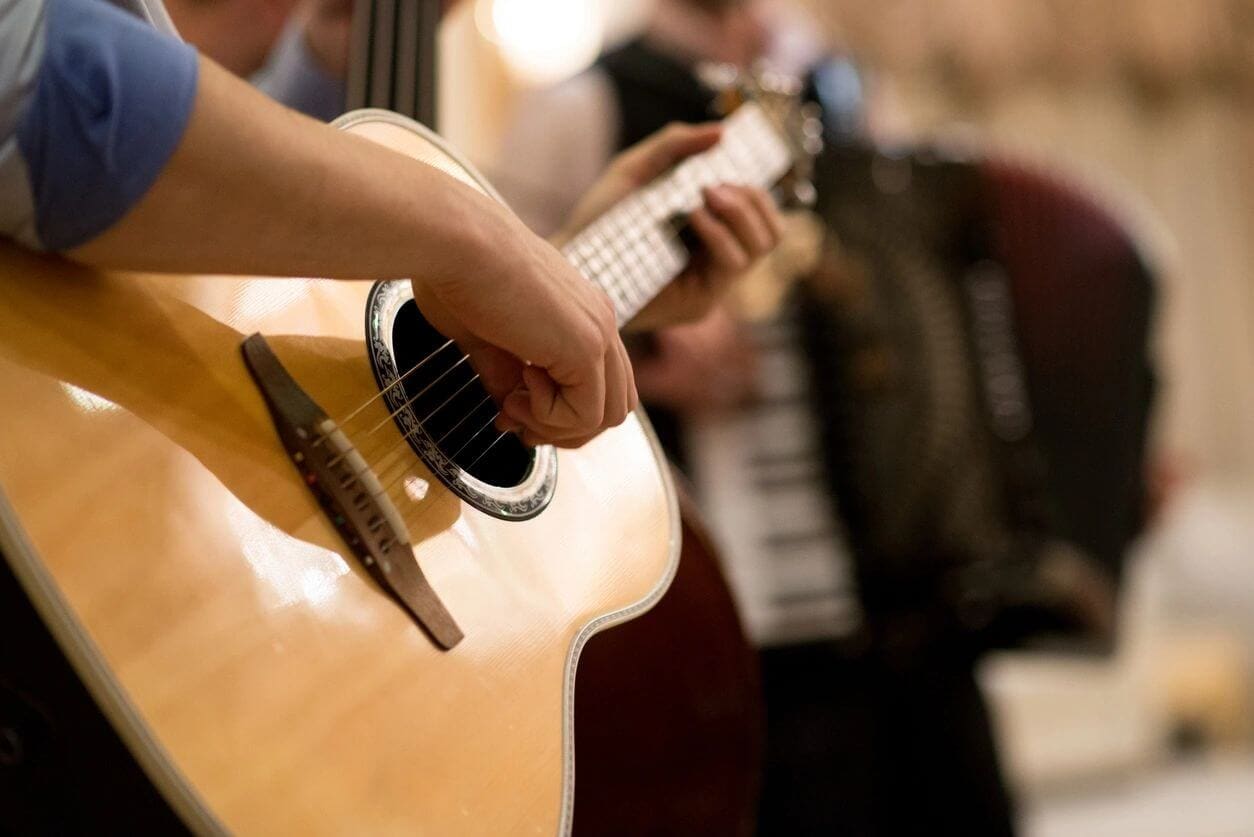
625 247
613 265
611 254
629 252
660 204
711 176
678 199
625 241
629 266
625 275
615 276
745 158
639 271
636 250
723 167
622 284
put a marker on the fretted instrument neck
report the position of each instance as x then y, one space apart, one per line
634 249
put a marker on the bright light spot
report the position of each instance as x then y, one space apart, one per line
88 402
265 297
294 571
547 40
416 488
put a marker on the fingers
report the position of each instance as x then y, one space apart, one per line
751 216
723 250
524 410
737 226
621 383
547 412
513 291
769 212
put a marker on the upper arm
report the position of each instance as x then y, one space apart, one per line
109 101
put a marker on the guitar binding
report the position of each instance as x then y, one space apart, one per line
446 415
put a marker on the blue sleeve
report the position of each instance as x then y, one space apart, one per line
110 104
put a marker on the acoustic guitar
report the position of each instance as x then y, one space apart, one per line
694 747
311 587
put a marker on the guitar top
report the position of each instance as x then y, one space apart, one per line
264 678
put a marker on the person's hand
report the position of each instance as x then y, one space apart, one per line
701 367
542 337
736 226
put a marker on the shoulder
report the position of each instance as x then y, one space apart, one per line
21 49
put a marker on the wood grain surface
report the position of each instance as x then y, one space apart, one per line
271 686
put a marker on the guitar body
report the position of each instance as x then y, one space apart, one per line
261 677
686 758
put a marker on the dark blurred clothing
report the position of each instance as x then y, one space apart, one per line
856 744
859 747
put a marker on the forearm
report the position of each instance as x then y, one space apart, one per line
253 188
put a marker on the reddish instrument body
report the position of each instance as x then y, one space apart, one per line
668 711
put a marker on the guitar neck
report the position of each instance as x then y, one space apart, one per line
634 250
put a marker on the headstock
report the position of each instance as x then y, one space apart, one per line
799 123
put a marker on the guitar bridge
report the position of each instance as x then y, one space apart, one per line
349 492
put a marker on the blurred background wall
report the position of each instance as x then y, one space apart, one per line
1151 102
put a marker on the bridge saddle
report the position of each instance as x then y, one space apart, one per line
349 492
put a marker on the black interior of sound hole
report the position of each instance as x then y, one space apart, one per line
455 413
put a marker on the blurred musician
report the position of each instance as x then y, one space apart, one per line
854 745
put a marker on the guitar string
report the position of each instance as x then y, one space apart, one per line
608 250
343 422
335 460
408 469
401 505
485 451
624 241
383 421
612 220
613 249
378 453
374 459
395 447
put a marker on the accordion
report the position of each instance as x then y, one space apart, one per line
977 332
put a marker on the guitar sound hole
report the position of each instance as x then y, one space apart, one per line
452 406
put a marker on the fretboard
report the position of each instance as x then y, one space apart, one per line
634 250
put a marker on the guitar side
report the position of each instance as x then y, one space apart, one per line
263 680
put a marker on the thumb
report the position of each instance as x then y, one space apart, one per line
663 149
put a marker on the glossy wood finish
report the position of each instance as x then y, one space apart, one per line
267 682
